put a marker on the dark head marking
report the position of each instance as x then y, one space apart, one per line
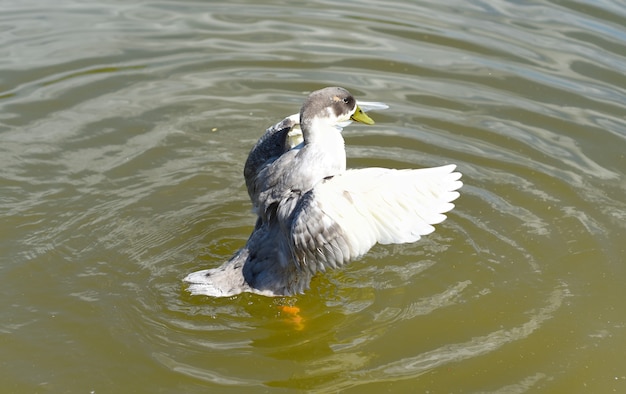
338 99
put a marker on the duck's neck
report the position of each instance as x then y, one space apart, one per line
327 143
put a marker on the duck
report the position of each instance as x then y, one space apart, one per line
313 213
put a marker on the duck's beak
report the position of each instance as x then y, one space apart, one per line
360 116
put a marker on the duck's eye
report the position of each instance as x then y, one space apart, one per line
346 100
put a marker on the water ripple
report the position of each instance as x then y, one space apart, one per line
124 128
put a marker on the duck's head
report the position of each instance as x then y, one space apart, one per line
329 107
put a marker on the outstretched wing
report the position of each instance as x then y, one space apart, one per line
342 218
267 149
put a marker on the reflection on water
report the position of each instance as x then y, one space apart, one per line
124 128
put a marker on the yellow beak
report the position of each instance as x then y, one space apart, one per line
360 116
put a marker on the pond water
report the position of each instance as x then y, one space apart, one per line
124 127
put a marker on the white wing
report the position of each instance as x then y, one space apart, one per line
342 218
371 105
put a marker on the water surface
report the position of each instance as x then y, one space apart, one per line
123 132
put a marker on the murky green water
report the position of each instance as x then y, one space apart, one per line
123 132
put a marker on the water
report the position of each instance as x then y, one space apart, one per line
123 132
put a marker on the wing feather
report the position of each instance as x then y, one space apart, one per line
268 148
343 217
